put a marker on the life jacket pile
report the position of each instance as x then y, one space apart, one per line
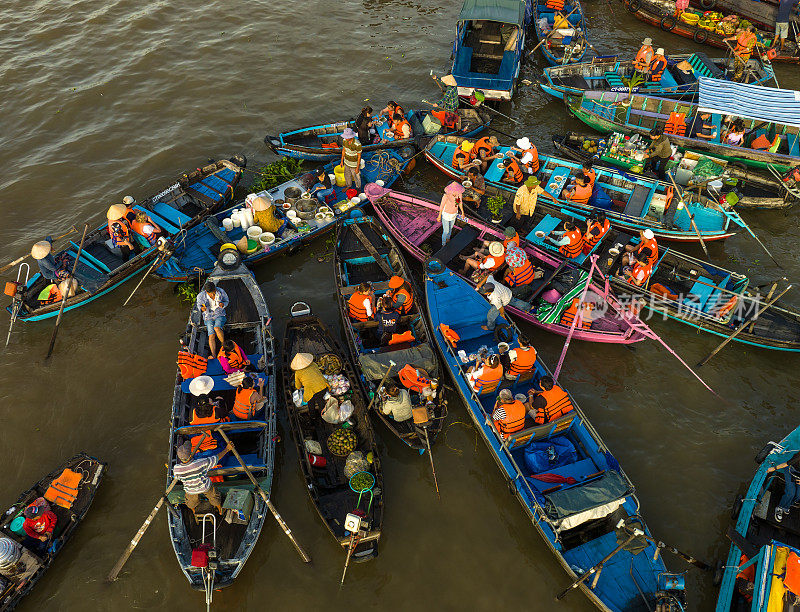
570 313
191 366
406 336
558 404
412 379
676 124
355 306
514 420
555 5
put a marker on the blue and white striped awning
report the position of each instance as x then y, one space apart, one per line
750 101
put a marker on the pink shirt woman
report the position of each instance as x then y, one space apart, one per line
449 209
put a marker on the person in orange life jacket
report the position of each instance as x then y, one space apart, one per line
39 524
145 227
119 230
596 227
548 404
512 171
361 305
232 358
212 302
474 194
569 240
388 320
646 249
248 400
519 360
193 474
745 42
528 154
492 262
509 413
643 58
657 66
462 156
485 372
401 128
658 153
399 288
207 412
485 151
791 490
703 127
390 109
579 191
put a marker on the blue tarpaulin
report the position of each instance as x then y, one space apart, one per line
750 101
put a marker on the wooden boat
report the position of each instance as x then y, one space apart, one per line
18 580
763 554
613 74
565 45
661 13
614 111
635 203
751 189
234 536
324 142
176 210
762 13
328 486
204 242
412 221
488 48
579 522
365 253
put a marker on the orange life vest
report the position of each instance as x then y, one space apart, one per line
209 442
137 226
558 404
489 378
397 129
405 307
355 306
407 336
580 194
555 5
514 238
590 239
641 272
512 172
525 361
63 491
533 165
191 366
643 58
446 118
657 67
498 261
450 335
744 45
119 230
676 124
482 145
762 143
570 313
519 276
236 359
575 246
514 420
648 244
591 175
53 294
412 380
748 575
460 158
243 405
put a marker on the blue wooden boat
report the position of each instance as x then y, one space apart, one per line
612 74
231 537
489 44
578 517
177 210
204 241
761 572
324 142
631 203
563 45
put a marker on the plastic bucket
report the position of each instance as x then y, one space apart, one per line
16 525
237 222
227 224
266 239
254 232
252 245
338 172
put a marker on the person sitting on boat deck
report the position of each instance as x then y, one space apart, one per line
361 305
323 189
637 266
520 270
512 171
364 125
351 158
735 134
579 191
396 402
475 192
399 288
119 230
490 262
658 153
462 157
589 172
58 269
233 359
401 128
388 320
486 150
39 524
485 373
529 155
309 378
449 102
550 403
212 302
390 109
570 240
510 235
509 413
193 474
248 400
207 412
641 64
647 248
745 43
791 488
703 127
657 66
144 226
521 359
265 217
596 227
449 208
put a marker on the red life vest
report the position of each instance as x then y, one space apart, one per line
648 244
514 420
558 404
405 307
555 5
450 335
412 380
519 276
482 145
489 378
407 336
243 405
590 239
580 194
570 313
461 158
575 246
191 366
657 67
643 58
525 361
209 442
512 172
356 309
641 272
676 124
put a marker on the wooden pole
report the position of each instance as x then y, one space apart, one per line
546 38
20 259
64 297
162 257
433 467
688 212
383 380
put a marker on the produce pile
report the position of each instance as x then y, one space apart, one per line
715 22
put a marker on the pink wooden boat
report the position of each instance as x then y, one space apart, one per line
412 222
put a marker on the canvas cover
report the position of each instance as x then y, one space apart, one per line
609 487
750 101
375 365
503 11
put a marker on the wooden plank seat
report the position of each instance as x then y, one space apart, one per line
377 287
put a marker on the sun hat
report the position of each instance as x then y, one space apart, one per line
660 51
395 282
509 232
373 191
202 385
454 188
116 211
348 134
532 181
524 143
184 451
41 249
527 158
496 249
450 80
515 256
301 360
647 41
648 234
128 200
260 204
467 146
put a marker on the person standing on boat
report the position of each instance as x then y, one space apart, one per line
745 43
526 197
364 124
351 158
791 490
782 22
449 102
449 208
58 270
309 378
193 474
643 58
657 66
658 153
212 302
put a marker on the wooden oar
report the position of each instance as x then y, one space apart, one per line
578 315
688 212
20 259
685 556
354 539
112 575
742 326
161 258
546 38
266 499
433 467
383 380
64 297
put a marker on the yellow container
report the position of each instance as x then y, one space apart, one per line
690 18
338 172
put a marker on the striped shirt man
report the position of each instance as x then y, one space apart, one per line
194 475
